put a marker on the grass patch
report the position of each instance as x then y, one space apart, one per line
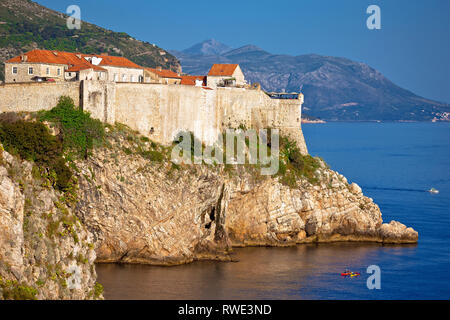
79 131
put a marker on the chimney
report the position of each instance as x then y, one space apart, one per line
159 68
24 58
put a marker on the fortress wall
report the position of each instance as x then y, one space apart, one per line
98 98
31 97
254 109
161 111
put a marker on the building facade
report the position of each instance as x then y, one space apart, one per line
55 66
162 76
226 75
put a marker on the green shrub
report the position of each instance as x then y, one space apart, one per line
79 130
98 290
15 291
153 155
32 141
127 151
294 165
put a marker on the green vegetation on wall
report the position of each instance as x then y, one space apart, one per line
33 141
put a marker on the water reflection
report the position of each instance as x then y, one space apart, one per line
303 272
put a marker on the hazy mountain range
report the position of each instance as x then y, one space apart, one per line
334 88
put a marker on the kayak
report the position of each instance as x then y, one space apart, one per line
351 274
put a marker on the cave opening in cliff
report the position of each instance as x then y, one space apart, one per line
212 217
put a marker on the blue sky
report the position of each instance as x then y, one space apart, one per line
412 49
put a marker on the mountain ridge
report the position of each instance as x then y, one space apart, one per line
26 25
335 88
208 47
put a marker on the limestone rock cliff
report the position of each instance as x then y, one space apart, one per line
273 214
131 205
144 213
45 252
141 211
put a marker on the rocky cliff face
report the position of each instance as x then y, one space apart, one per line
270 213
45 252
141 211
132 205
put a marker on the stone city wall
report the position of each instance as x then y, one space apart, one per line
31 97
161 111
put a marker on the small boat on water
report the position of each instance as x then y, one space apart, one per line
433 190
350 274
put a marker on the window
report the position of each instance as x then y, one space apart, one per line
59 71
116 77
124 78
47 71
14 70
30 70
131 78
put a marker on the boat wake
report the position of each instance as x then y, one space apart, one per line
394 189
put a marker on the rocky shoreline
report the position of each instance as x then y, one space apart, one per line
205 212
129 209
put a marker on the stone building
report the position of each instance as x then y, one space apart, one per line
55 66
161 76
198 81
120 69
226 75
86 72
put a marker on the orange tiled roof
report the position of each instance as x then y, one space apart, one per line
190 80
114 61
74 59
222 69
48 56
163 73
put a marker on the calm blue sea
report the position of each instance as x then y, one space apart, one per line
394 163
